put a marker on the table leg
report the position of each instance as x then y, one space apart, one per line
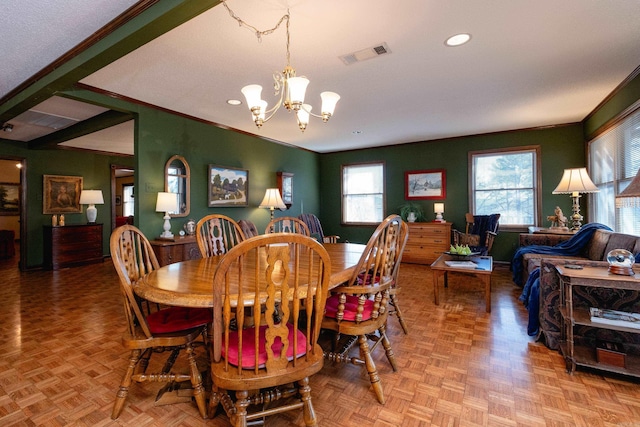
487 292
436 281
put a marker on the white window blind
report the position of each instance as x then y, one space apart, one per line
614 160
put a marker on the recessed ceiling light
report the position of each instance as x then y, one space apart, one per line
234 102
458 39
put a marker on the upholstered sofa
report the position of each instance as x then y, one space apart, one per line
592 243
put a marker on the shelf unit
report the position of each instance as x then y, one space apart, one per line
427 241
582 355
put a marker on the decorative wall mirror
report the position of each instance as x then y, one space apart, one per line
178 180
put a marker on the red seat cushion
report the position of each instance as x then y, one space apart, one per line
174 319
361 279
350 308
248 349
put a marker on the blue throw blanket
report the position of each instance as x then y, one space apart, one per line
571 247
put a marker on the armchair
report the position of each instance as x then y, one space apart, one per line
480 232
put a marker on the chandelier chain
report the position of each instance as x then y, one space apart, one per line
260 33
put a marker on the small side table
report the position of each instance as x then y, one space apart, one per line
544 236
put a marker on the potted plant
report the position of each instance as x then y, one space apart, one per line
411 212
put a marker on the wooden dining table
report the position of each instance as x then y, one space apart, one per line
190 283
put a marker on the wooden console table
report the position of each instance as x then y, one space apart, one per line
180 249
544 236
71 245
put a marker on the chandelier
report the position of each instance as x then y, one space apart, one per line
287 86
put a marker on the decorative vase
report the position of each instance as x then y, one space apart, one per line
411 217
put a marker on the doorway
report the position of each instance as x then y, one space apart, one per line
122 195
13 208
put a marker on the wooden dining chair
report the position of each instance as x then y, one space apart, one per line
315 227
216 234
287 224
248 228
152 329
393 292
267 359
359 308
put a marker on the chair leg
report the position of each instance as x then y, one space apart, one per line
386 344
308 412
398 313
240 418
123 391
365 354
196 383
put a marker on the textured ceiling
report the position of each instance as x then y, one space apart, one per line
528 64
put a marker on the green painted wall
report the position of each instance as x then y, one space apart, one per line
162 135
622 100
562 147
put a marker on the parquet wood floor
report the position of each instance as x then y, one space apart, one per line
61 362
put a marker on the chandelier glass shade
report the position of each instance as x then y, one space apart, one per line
289 88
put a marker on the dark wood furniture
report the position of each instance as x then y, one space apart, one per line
180 249
7 243
72 245
427 241
572 316
482 271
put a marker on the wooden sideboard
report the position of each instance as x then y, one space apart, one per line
71 245
180 249
427 241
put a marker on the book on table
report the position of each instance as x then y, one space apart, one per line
614 317
461 264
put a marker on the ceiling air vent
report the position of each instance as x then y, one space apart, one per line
52 121
364 54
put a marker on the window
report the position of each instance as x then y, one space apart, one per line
614 160
363 193
506 182
127 200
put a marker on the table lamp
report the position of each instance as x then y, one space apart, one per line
576 181
167 202
272 200
630 196
91 198
438 209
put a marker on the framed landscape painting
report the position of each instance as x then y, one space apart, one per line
425 184
61 194
228 186
9 198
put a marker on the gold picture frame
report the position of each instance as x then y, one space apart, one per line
61 194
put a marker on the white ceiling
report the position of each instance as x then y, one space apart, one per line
528 64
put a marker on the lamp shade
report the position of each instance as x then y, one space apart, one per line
272 199
167 202
252 94
91 197
630 196
329 101
575 181
438 207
